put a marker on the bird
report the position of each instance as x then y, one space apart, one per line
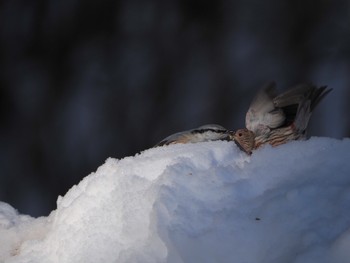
271 119
212 132
208 132
276 119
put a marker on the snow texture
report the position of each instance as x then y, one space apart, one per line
204 202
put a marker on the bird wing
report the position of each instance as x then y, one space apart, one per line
299 102
293 96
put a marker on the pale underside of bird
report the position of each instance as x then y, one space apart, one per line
276 119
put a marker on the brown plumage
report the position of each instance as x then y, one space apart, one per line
277 119
244 139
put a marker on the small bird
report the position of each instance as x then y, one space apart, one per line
212 132
277 119
209 132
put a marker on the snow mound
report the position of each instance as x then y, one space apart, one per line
204 202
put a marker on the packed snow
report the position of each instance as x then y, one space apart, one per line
204 202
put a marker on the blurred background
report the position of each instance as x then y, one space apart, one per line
81 80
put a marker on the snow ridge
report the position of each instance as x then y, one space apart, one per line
204 202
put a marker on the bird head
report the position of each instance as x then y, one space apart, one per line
245 139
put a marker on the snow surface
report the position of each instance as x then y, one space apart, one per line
204 202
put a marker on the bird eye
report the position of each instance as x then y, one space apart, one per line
240 134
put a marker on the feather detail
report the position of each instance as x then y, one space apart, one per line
289 116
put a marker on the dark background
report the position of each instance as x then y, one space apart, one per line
85 80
